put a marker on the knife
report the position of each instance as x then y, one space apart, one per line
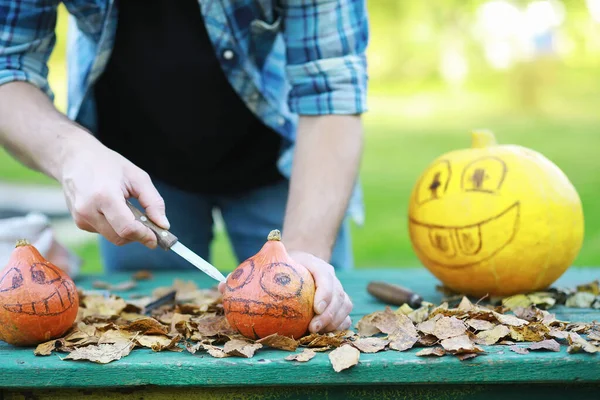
167 241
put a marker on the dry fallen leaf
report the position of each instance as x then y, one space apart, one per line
304 356
279 342
46 348
101 353
447 327
577 343
492 336
531 333
147 326
549 344
460 344
427 340
519 350
509 319
594 333
480 324
581 300
119 287
431 351
370 344
344 357
402 341
465 305
241 348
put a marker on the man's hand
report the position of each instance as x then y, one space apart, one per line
96 181
332 305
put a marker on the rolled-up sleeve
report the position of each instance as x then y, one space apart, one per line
326 43
26 41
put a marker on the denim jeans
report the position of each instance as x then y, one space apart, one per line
248 219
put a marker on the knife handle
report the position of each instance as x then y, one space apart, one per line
394 294
164 238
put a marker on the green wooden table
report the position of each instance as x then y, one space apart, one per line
500 374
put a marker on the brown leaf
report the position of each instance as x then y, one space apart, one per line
215 351
557 333
577 327
460 344
402 341
519 350
419 315
509 319
304 356
46 348
549 344
157 342
492 336
480 324
465 356
180 323
142 275
370 345
427 340
344 357
116 336
279 342
532 333
212 325
147 326
325 341
465 305
594 333
581 300
241 348
516 301
101 353
577 343
447 327
99 306
431 351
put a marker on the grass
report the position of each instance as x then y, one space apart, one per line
406 130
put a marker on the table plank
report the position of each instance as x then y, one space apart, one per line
19 368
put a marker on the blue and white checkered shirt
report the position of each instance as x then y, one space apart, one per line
284 58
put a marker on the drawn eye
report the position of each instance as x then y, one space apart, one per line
281 281
241 276
11 280
484 175
434 182
43 274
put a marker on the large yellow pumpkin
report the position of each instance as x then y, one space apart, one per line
495 219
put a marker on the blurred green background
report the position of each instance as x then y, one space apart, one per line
527 70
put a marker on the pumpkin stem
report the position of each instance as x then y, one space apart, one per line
274 235
22 242
482 138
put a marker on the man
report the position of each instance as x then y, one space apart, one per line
199 105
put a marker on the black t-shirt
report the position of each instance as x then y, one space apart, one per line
164 103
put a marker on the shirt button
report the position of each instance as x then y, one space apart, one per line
228 54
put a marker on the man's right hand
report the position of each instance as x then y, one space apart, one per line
97 181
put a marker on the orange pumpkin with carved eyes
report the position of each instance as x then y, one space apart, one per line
38 301
270 293
495 219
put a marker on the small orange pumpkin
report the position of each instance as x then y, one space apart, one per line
270 293
38 300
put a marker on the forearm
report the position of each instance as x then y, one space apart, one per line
33 130
326 162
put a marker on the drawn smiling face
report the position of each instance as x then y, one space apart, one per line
47 293
461 217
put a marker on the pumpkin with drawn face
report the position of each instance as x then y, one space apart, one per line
38 301
270 293
495 219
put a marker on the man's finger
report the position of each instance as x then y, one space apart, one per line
324 320
325 284
150 199
122 221
341 313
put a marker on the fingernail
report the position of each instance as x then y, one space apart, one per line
317 327
166 222
321 307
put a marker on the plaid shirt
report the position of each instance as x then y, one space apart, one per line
284 58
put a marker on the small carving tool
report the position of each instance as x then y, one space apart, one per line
394 294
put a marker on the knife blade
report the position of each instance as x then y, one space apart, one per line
167 241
